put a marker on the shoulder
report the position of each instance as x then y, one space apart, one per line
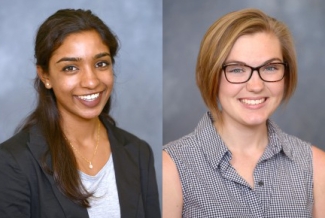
319 162
14 155
319 181
128 139
204 133
170 171
15 144
169 166
293 140
125 136
23 151
181 151
299 151
15 185
288 140
172 196
15 152
296 148
182 143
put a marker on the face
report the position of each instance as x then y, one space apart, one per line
81 75
253 102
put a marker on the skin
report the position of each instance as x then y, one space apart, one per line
319 182
253 50
81 67
172 196
246 121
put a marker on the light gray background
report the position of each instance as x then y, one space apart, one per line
137 103
184 24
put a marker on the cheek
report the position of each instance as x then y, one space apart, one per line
108 79
277 89
227 89
63 84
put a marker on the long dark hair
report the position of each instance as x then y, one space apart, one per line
50 36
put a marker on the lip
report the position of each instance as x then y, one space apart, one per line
253 102
90 100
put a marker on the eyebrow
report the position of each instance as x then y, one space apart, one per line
76 59
265 62
68 59
103 54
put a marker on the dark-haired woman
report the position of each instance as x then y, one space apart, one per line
69 159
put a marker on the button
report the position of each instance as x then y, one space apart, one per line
260 183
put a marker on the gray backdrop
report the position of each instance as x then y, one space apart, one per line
137 104
184 24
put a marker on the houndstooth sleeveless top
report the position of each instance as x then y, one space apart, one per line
212 187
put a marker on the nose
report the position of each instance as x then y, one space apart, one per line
89 78
255 83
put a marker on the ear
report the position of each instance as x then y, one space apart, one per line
44 77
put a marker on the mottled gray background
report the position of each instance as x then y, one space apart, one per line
184 24
137 104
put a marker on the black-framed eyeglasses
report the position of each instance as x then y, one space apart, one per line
237 73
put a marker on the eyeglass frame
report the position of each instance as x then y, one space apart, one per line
255 69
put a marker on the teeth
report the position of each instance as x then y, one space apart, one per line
89 97
253 102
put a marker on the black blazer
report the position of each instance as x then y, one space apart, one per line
27 191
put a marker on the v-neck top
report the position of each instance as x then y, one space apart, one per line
104 202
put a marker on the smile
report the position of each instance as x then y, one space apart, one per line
91 97
253 102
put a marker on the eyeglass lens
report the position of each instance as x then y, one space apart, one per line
239 73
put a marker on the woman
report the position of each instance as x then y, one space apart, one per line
69 159
237 162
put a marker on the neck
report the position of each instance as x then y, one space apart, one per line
80 131
242 138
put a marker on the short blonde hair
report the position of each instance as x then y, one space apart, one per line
219 40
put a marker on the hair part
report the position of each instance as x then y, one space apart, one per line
218 41
50 36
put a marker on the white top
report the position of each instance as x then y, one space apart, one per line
105 202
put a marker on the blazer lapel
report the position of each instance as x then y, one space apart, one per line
126 166
38 147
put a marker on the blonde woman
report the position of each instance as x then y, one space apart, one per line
237 162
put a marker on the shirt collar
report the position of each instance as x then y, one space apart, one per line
210 141
277 140
215 149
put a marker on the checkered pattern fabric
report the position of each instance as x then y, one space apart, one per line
212 187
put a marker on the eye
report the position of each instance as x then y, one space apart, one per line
69 68
235 69
102 64
272 67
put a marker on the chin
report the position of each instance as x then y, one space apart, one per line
89 116
255 121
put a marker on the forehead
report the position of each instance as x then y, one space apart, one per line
81 43
255 49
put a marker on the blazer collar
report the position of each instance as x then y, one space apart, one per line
38 147
126 166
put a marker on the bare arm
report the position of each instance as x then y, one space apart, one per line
319 182
172 190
